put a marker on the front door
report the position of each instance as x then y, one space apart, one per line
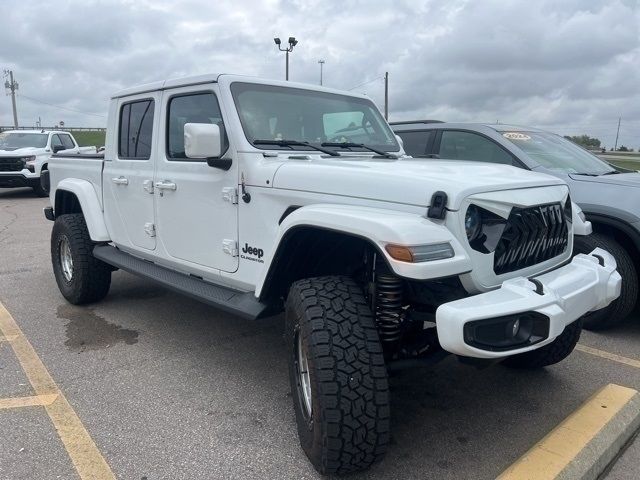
128 173
195 222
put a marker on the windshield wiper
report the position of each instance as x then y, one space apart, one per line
612 172
358 145
296 143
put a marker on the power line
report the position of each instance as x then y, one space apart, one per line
365 83
61 107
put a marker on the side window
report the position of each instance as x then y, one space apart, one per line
191 108
136 128
66 141
55 141
471 146
415 143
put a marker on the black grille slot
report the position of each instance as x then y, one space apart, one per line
11 164
532 235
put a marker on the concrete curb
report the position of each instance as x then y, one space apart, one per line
584 444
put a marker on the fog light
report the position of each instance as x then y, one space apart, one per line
507 333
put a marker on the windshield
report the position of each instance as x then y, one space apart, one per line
15 140
281 113
557 153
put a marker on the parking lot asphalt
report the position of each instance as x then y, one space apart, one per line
169 388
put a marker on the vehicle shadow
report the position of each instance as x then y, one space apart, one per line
448 421
13 193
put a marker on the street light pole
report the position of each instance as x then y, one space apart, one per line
292 43
321 62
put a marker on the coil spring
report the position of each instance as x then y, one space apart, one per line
389 314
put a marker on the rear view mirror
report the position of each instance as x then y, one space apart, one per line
58 148
202 140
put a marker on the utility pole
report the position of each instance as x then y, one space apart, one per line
11 85
321 62
386 95
615 148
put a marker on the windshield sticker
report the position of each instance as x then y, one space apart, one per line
516 136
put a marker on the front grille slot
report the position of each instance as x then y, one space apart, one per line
531 236
11 164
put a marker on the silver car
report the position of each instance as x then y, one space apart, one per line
608 195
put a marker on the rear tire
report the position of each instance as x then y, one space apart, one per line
342 403
555 352
80 276
620 308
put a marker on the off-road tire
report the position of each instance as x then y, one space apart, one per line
348 428
91 277
620 308
555 352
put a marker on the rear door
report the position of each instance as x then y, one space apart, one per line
196 217
128 176
467 145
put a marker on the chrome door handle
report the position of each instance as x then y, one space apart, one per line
120 181
166 185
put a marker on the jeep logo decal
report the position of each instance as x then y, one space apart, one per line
254 252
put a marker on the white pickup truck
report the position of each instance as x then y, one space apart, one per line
262 196
24 156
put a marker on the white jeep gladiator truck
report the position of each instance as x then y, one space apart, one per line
263 196
24 156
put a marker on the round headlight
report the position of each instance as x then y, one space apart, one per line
473 223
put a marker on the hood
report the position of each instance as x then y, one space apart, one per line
631 179
409 181
19 152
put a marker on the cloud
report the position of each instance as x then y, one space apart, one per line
569 66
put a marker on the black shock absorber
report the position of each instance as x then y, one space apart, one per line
388 307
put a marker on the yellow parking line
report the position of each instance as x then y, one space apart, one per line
33 401
84 454
555 452
609 356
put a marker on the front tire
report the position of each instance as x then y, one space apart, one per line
620 308
338 376
80 276
555 352
39 188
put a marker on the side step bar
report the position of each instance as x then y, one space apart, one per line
243 304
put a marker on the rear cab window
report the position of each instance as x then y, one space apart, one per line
135 130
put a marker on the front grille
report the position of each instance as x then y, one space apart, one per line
532 235
11 164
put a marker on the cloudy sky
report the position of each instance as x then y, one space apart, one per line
571 66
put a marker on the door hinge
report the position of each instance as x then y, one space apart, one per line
230 194
148 186
230 247
150 228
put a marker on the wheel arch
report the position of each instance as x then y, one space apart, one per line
310 251
627 236
326 239
79 196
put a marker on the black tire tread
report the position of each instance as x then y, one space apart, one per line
91 277
550 354
351 377
620 308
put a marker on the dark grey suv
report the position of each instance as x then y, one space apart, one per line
608 195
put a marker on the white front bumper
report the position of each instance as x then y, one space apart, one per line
569 292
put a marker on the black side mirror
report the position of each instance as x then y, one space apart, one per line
57 148
221 163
